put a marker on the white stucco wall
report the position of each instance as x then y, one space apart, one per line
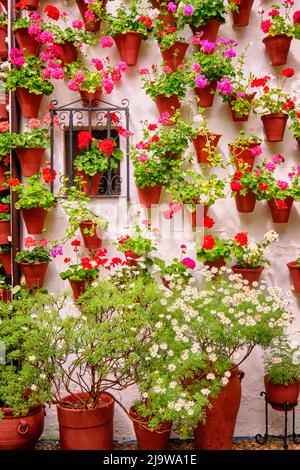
228 220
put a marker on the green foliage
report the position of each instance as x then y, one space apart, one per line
173 271
155 170
76 272
34 138
38 254
126 20
96 161
271 99
165 82
29 76
221 249
282 362
5 144
268 188
3 18
204 10
136 243
4 207
294 114
63 35
282 23
33 194
242 140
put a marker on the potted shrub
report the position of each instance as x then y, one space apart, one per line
242 184
241 11
280 31
243 150
129 27
282 374
209 67
205 143
92 13
272 104
3 33
165 86
5 234
27 30
5 258
34 201
294 114
250 255
136 246
34 261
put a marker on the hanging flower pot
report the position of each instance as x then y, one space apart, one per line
218 263
86 428
5 259
278 47
210 30
244 117
3 178
83 8
3 109
78 287
3 43
197 216
68 53
217 432
205 146
148 439
34 219
167 104
175 54
280 215
251 275
29 102
85 183
128 45
206 95
245 204
295 275
244 155
5 233
30 160
34 274
274 126
21 432
90 241
242 16
281 394
149 195
89 99
30 4
26 42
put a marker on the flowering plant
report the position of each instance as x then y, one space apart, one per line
164 81
135 245
272 99
127 20
177 271
5 142
249 254
4 208
95 11
85 270
35 252
32 137
281 23
211 248
282 361
28 73
34 23
200 128
242 140
168 35
198 12
76 34
33 194
244 181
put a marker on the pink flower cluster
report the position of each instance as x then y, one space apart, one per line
53 70
17 57
225 86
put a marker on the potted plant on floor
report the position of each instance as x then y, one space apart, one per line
241 11
280 30
205 143
250 255
34 261
5 233
204 17
282 373
243 150
242 185
5 258
3 33
136 246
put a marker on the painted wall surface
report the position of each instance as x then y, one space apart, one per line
228 220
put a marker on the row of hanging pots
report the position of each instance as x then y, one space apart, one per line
246 204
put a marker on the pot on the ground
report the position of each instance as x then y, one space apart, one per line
148 439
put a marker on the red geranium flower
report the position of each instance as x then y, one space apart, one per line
67 260
288 72
4 126
288 105
29 242
257 82
49 175
86 263
12 182
75 242
263 187
52 12
101 252
4 208
208 222
152 127
208 242
106 146
146 20
84 138
241 238
123 239
236 186
155 138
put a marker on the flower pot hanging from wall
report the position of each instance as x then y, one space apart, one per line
274 126
243 156
34 219
196 217
26 42
30 160
280 215
149 195
29 102
93 26
90 99
34 274
244 117
88 182
78 287
89 235
148 439
245 204
174 56
278 48
3 43
249 274
5 259
295 275
281 394
205 146
167 104
5 233
242 15
3 108
206 95
210 30
68 53
128 45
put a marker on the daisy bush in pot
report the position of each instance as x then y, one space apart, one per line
34 261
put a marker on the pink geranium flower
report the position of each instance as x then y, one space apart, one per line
189 263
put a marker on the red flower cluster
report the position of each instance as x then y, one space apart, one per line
288 105
257 82
106 146
208 242
84 138
146 20
170 30
4 208
281 204
208 222
123 239
4 126
49 175
152 127
263 187
86 263
12 182
52 12
288 72
241 238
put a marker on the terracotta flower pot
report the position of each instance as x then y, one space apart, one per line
90 241
278 48
205 145
6 295
31 4
280 216
78 287
245 204
210 30
90 99
281 394
68 53
206 95
196 217
5 233
83 8
3 108
251 275
34 219
26 42
85 183
86 429
295 275
21 432
5 259
3 43
3 178
29 102
128 45
167 104
218 263
241 17
150 195
244 117
174 56
274 126
217 432
131 258
244 155
34 274
148 439
30 160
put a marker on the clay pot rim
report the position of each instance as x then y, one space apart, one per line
293 265
32 410
34 264
275 36
198 134
148 187
280 385
182 43
109 401
30 148
236 266
129 33
274 116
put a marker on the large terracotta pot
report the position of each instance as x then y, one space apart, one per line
31 4
281 394
251 275
245 204
3 178
78 287
29 102
217 432
218 263
167 104
278 48
26 42
68 53
148 439
5 233
206 95
150 195
21 432
90 99
34 219
3 108
210 30
242 16
128 45
85 183
244 117
5 259
295 275
280 216
86 429
205 146
90 241
274 126
34 274
174 55
243 155
30 160
3 43
83 7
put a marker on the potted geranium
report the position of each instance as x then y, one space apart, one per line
280 29
5 258
27 30
282 374
136 246
34 201
250 255
34 261
92 13
176 272
211 67
242 184
294 268
272 104
243 150
3 33
5 233
205 143
241 11
165 86
128 27
213 251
